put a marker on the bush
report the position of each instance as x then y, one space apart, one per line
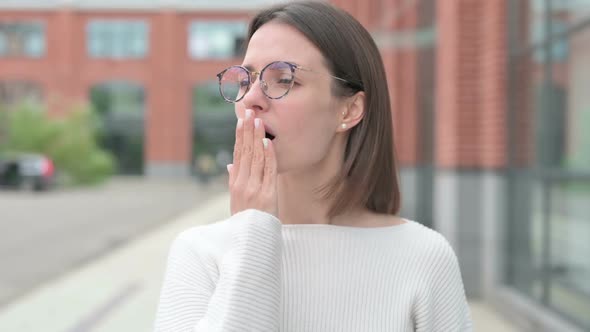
71 141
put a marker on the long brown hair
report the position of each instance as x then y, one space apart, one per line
369 176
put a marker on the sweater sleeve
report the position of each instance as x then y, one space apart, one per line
247 295
443 305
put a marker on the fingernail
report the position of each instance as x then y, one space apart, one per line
229 166
265 142
240 123
256 122
248 114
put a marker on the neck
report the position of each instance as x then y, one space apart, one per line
298 197
299 203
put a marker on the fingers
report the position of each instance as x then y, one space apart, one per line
257 165
269 180
247 149
254 171
237 152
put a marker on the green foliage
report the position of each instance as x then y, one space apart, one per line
3 127
71 141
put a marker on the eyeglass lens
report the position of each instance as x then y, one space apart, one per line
276 81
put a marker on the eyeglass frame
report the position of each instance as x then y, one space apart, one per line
258 74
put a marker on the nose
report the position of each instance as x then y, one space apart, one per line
255 99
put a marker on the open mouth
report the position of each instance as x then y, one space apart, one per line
269 136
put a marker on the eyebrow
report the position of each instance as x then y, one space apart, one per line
251 68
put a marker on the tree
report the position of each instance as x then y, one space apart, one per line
70 141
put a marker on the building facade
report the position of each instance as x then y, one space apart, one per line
152 58
490 105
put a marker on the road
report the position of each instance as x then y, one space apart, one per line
43 236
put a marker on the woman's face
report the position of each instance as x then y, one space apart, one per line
306 120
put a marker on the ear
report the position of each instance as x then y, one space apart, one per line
352 112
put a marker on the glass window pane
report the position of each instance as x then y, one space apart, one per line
121 111
572 11
560 102
94 40
536 19
550 222
3 44
22 39
118 34
216 39
35 44
577 105
119 39
569 292
140 39
213 130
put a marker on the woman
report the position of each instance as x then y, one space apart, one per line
313 242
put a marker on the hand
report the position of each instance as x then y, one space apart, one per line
253 175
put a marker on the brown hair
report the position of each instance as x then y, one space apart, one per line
369 175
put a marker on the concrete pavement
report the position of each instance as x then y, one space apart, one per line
119 291
44 235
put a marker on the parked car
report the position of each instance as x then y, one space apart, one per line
26 170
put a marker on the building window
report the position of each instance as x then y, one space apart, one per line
120 106
14 92
213 131
548 229
117 39
22 39
216 39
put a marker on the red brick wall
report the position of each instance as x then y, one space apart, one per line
470 108
40 71
386 19
66 74
405 85
493 102
471 80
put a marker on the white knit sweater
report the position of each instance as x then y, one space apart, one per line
251 273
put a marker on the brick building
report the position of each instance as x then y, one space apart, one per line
490 102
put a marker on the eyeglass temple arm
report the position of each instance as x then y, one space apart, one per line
335 77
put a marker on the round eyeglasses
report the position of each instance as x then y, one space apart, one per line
276 80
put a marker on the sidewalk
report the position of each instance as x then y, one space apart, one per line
119 292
